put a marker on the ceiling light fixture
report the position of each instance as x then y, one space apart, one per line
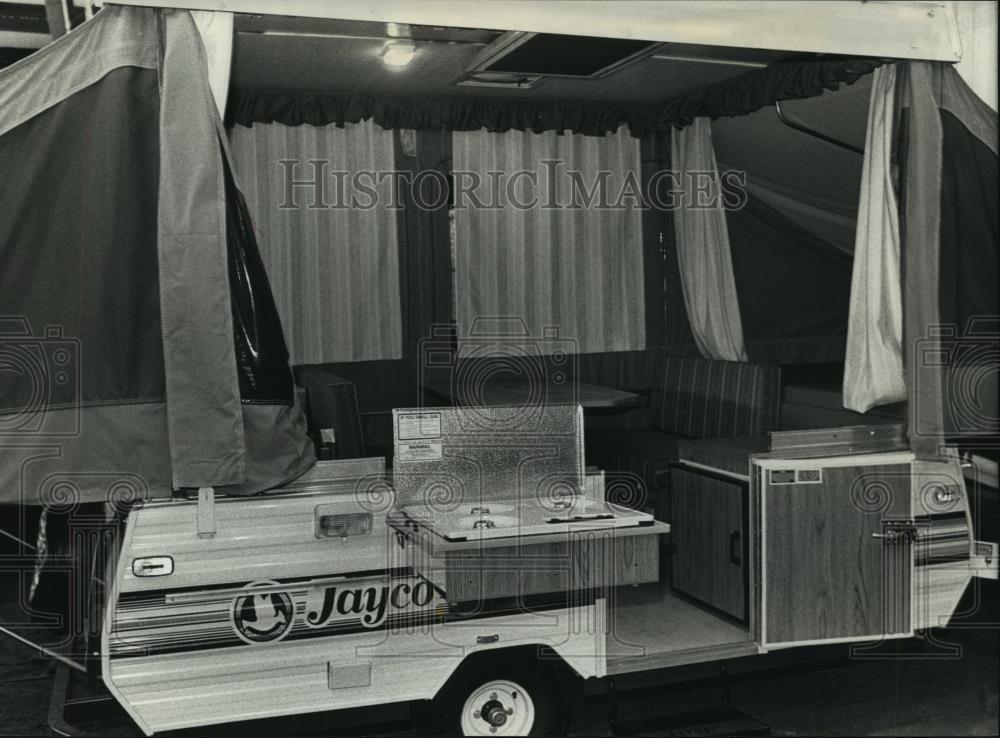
397 30
398 53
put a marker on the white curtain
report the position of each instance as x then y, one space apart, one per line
577 269
216 29
333 268
703 254
873 368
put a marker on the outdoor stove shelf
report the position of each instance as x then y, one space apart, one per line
524 553
492 504
523 517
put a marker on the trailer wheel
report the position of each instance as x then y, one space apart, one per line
499 696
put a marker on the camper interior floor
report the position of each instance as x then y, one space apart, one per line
650 626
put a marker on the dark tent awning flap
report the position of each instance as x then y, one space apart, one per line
122 326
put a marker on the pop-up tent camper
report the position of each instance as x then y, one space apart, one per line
142 354
150 387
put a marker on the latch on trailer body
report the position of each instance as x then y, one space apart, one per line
897 531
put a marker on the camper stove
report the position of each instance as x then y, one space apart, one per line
523 517
490 504
519 547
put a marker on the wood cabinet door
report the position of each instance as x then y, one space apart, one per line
837 552
708 539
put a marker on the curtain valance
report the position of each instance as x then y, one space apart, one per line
752 91
743 94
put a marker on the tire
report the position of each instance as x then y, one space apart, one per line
521 695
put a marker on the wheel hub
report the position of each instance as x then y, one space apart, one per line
494 713
498 708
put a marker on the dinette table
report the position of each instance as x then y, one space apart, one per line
521 392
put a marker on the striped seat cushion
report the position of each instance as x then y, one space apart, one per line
691 398
704 398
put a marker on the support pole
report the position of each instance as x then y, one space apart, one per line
55 11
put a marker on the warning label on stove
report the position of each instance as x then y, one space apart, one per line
415 426
419 452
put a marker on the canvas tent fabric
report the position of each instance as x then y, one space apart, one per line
812 182
191 247
948 201
943 143
792 240
792 286
123 318
792 275
216 30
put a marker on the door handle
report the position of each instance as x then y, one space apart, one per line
153 566
735 555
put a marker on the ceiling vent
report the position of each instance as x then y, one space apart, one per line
518 54
499 79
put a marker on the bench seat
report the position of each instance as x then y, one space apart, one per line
691 397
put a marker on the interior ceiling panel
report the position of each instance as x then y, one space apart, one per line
298 54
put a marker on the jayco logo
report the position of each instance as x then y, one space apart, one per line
260 618
268 615
372 600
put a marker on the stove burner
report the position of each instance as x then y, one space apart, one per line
483 524
562 505
479 511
